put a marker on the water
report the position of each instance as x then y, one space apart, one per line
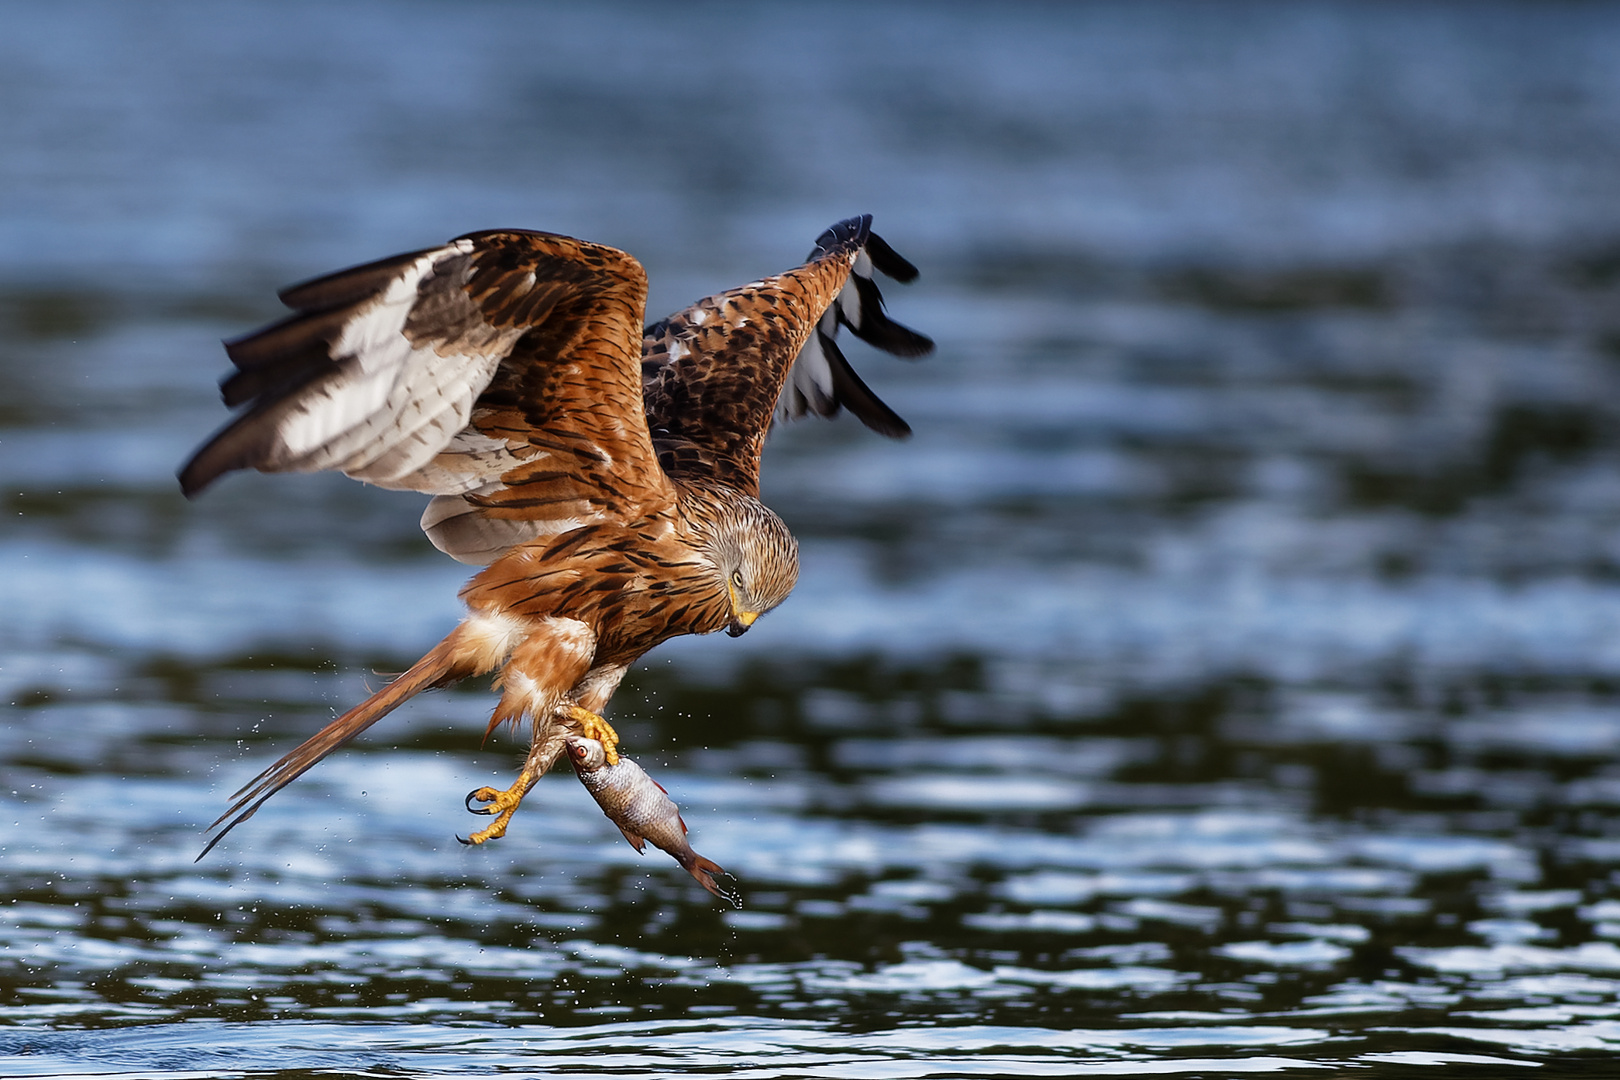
1224 680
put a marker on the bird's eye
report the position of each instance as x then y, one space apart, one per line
736 578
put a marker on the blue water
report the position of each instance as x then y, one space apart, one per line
1224 680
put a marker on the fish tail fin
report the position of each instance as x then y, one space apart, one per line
704 870
443 664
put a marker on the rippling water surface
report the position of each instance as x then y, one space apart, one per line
1224 680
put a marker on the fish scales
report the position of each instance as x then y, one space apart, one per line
640 807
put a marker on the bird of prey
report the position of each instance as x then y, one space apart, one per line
606 474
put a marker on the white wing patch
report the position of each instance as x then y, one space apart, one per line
464 465
464 532
809 387
849 299
396 406
372 346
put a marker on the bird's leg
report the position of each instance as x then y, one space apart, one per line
548 743
593 726
501 805
555 656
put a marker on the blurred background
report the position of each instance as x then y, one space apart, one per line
1225 678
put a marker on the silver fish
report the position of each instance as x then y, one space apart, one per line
640 807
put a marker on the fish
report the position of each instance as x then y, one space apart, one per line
641 808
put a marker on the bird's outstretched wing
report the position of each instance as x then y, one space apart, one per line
717 373
498 372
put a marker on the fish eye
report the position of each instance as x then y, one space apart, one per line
736 578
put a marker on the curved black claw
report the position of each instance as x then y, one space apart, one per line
464 841
471 809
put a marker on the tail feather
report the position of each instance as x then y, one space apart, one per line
437 668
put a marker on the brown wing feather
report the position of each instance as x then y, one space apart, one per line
714 374
501 367
570 392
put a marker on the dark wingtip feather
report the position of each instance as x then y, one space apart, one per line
297 337
232 447
212 460
271 384
247 442
849 233
346 287
193 479
881 332
271 364
854 395
888 261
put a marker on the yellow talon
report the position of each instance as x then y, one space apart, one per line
593 726
501 805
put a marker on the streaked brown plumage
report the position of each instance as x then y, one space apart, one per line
607 475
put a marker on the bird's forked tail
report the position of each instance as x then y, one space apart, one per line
445 663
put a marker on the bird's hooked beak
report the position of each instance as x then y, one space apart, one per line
740 620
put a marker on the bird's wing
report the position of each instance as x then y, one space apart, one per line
716 374
497 372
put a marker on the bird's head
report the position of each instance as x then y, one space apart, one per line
756 557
